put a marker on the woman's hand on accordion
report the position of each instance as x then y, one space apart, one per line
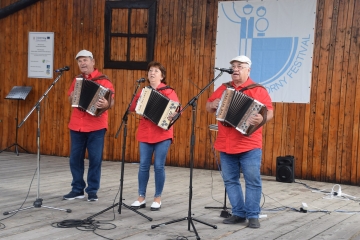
171 116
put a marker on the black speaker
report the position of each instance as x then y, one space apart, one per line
285 169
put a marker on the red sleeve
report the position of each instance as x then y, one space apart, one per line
108 84
171 94
261 95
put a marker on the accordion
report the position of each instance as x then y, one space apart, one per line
87 93
156 107
235 108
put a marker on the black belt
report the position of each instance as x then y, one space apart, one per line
225 124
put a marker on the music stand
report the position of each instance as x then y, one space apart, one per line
17 93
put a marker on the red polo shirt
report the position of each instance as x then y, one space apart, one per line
230 140
148 131
82 121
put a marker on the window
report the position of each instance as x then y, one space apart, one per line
129 34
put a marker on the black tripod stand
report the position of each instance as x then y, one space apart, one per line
38 202
120 203
17 93
224 213
190 219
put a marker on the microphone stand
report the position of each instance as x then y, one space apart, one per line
224 213
38 202
190 219
120 203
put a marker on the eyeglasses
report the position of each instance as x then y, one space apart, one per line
239 67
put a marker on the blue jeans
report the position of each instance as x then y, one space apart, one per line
249 162
94 143
160 151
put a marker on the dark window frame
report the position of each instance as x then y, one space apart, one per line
150 36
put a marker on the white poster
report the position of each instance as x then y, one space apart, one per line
41 55
278 37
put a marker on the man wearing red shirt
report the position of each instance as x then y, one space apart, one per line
238 151
87 133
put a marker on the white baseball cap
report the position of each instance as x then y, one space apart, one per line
84 53
241 58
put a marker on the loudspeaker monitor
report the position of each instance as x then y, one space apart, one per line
285 169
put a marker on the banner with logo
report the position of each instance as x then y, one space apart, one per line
278 37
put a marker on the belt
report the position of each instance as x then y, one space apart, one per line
225 124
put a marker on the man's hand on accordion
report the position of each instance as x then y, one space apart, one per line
102 103
255 119
212 106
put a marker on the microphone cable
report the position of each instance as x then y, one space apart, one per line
85 225
89 224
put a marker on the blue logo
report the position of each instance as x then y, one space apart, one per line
260 30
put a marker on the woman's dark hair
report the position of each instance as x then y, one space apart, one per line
161 67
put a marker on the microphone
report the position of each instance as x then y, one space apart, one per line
66 68
141 80
229 71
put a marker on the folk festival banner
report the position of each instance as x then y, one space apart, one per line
278 37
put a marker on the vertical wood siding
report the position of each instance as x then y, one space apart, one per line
322 135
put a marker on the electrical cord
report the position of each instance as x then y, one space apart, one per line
212 188
333 194
89 224
314 189
218 165
85 225
282 208
184 237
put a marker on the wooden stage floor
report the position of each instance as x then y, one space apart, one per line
328 216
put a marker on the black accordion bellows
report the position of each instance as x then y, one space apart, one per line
87 93
156 107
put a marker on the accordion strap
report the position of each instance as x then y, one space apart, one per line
254 85
163 88
102 76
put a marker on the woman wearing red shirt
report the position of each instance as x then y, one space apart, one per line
153 140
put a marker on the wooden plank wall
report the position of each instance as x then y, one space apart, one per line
323 135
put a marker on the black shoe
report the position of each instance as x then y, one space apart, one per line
72 195
254 223
92 197
234 219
